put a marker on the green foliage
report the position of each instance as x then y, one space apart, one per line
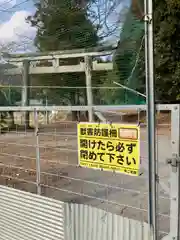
166 47
129 62
63 25
109 91
9 96
3 98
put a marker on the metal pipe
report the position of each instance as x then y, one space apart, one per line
38 165
130 89
175 175
100 108
150 100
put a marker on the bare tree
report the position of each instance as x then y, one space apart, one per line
108 16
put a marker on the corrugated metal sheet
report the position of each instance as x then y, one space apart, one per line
26 216
87 223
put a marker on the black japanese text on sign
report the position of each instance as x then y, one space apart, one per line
112 147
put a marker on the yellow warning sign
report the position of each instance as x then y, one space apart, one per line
112 147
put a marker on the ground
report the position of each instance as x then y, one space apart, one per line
62 179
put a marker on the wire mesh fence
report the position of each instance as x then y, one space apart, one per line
40 155
44 159
69 88
117 73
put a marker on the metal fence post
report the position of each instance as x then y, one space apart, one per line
175 174
151 121
88 73
47 113
38 168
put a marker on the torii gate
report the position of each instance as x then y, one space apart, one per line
29 64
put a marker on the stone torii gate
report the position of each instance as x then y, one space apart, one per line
32 64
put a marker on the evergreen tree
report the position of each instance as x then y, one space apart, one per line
63 25
127 58
166 49
128 67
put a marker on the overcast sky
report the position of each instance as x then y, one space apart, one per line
13 27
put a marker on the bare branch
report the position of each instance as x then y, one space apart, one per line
107 15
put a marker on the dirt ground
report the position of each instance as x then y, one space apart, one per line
63 180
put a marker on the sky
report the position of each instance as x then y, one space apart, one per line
15 32
16 35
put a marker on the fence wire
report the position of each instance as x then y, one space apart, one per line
42 157
54 147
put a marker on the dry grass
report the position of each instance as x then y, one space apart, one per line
58 158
